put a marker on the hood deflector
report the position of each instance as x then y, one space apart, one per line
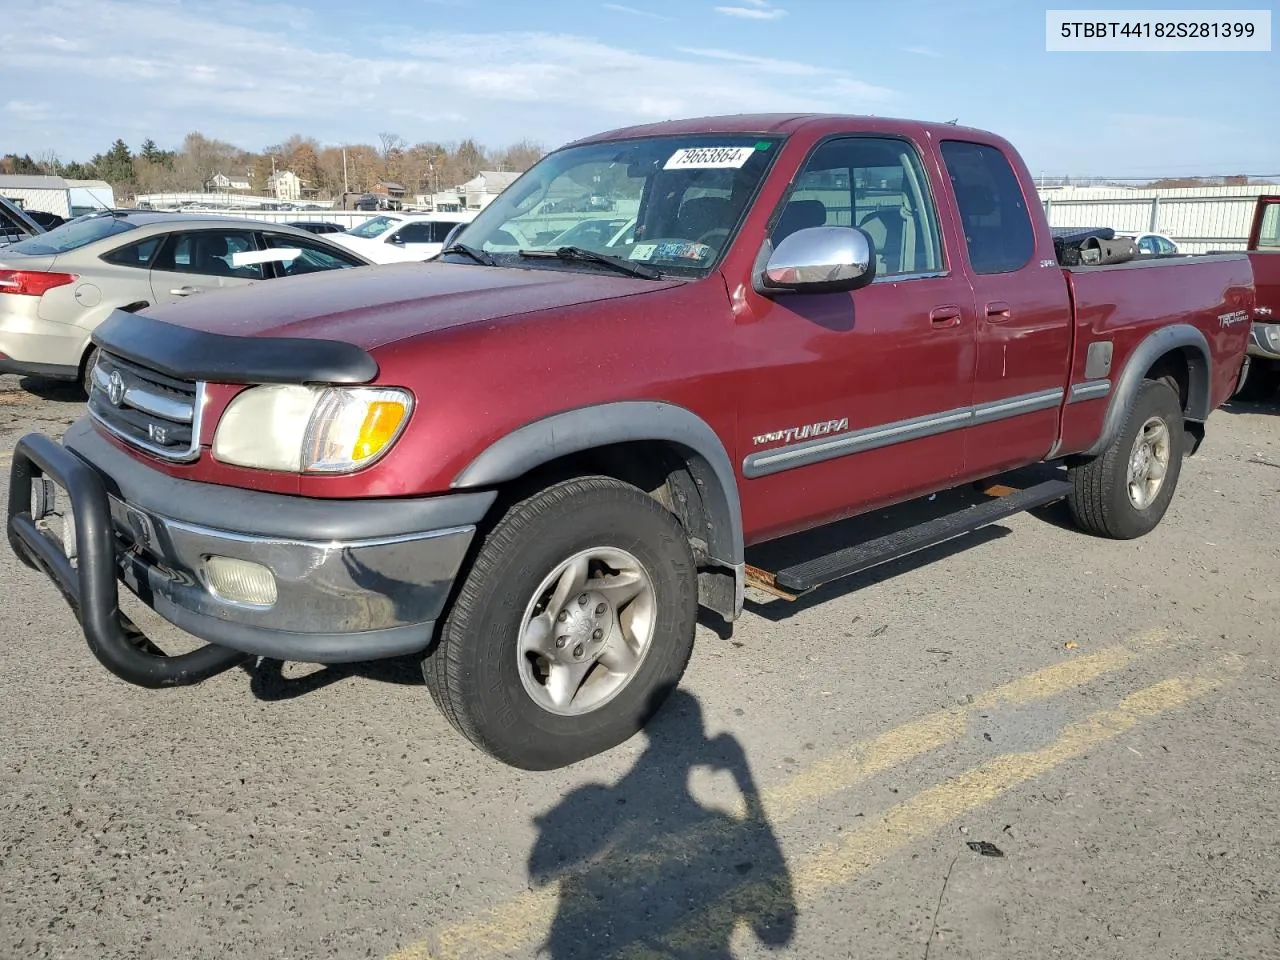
188 354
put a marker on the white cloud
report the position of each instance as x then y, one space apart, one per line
173 68
28 109
622 8
755 10
922 51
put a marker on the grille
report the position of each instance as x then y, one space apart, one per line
147 409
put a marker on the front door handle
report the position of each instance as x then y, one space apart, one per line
184 291
998 311
948 316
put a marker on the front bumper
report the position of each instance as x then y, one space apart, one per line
1264 340
354 580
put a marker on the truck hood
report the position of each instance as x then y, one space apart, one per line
373 306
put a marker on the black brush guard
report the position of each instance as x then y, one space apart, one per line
91 584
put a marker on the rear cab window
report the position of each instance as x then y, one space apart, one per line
72 236
1269 228
993 210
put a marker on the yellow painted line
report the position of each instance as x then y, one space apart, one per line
919 816
519 919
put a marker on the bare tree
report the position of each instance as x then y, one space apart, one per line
391 143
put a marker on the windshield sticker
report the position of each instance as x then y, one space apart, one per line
643 251
682 251
709 158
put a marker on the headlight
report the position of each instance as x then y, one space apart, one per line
311 429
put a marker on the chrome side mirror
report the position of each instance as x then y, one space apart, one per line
818 259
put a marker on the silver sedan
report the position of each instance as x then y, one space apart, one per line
56 287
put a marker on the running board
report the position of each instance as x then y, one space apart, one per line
846 562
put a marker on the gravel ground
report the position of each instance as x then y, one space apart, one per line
1036 744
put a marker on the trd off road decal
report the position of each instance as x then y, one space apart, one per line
809 430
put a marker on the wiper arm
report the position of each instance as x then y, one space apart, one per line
582 254
475 253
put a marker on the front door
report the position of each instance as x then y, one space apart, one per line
859 398
1023 327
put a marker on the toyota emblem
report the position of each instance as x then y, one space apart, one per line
115 388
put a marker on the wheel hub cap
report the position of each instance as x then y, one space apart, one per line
586 631
1148 462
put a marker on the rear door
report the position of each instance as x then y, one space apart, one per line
1264 255
196 261
1023 327
415 240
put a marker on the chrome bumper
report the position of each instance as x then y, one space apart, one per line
1264 340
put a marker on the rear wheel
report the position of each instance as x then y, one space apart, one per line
573 624
1124 492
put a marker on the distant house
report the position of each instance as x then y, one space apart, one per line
389 188
221 183
286 185
481 189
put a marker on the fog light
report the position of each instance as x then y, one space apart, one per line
240 581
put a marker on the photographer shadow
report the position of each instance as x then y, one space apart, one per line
642 864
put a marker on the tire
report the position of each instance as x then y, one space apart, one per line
1101 501
86 371
1261 382
500 695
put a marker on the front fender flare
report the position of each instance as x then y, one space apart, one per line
1195 348
586 428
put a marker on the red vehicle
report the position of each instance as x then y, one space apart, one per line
531 463
1262 372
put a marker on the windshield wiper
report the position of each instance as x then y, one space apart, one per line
583 255
475 253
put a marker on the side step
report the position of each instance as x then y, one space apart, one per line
850 560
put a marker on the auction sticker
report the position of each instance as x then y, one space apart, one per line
709 158
643 251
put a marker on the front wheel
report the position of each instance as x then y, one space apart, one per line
573 624
1124 492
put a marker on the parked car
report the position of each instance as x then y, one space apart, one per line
1262 373
45 219
530 467
15 223
396 237
1155 244
317 226
55 288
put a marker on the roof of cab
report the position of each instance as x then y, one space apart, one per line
781 124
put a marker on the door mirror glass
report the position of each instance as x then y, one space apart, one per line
815 259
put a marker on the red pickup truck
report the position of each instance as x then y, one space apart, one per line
1262 369
530 460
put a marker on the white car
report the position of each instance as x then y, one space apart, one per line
1155 244
396 237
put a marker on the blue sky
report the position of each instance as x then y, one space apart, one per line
76 74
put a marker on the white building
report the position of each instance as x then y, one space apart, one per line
64 198
285 185
481 190
221 183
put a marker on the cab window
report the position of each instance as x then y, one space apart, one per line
993 211
878 184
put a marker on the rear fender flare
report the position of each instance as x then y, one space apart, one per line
586 428
1181 337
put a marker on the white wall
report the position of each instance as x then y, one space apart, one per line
48 200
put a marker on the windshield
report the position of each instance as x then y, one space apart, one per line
373 228
672 203
71 236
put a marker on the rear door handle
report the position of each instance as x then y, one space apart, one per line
184 291
948 316
998 311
